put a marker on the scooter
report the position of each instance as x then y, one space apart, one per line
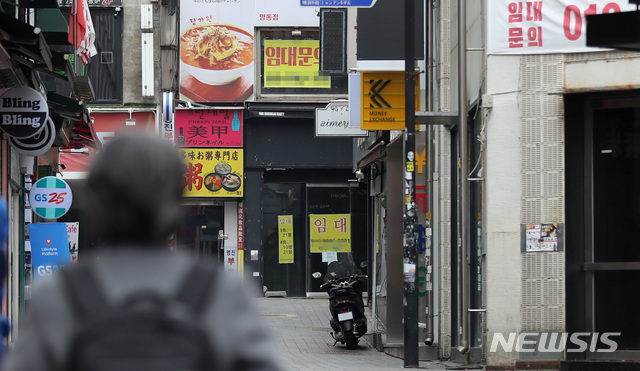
345 303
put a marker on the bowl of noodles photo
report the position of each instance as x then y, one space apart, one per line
216 54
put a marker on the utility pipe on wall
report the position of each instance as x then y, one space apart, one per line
463 171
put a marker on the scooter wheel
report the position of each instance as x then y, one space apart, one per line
350 339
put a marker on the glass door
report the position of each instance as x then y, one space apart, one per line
612 256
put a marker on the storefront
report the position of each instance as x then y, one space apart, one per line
292 175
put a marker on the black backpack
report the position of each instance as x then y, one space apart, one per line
147 332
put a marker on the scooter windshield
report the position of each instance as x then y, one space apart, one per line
343 267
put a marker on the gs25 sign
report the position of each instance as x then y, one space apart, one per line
50 197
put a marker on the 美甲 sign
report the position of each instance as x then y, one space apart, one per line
293 64
208 128
212 172
330 232
50 197
24 112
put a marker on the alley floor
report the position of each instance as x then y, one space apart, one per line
301 329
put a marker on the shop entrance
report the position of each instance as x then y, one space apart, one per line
603 219
200 230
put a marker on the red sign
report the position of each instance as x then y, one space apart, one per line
208 128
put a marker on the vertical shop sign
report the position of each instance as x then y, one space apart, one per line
241 238
212 172
49 248
330 232
208 128
212 71
73 230
285 238
293 64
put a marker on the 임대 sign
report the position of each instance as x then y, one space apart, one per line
50 197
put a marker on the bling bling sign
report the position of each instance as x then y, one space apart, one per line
23 112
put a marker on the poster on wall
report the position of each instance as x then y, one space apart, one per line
49 248
73 231
330 232
216 50
213 172
544 26
542 237
285 239
208 128
293 64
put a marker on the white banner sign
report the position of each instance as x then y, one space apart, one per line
544 26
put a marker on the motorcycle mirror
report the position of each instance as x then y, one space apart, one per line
316 275
364 264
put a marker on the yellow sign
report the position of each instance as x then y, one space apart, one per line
293 64
330 232
285 238
212 172
383 100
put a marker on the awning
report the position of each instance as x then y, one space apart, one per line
81 133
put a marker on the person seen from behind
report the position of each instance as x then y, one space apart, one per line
143 296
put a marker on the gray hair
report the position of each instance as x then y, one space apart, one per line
133 191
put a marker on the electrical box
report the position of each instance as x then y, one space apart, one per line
146 17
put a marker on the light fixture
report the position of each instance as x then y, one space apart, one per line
131 121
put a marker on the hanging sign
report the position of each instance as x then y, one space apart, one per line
50 197
383 100
49 248
24 112
333 121
38 144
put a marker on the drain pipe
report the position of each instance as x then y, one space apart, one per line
463 171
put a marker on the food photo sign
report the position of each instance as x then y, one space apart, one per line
212 172
216 50
208 128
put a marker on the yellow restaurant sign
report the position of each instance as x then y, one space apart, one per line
383 100
330 232
212 172
293 64
285 238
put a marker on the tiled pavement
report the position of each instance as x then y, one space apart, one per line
301 329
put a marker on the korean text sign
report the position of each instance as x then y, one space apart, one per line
212 172
544 26
285 238
293 64
330 232
208 128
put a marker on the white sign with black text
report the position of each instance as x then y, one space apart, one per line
333 121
